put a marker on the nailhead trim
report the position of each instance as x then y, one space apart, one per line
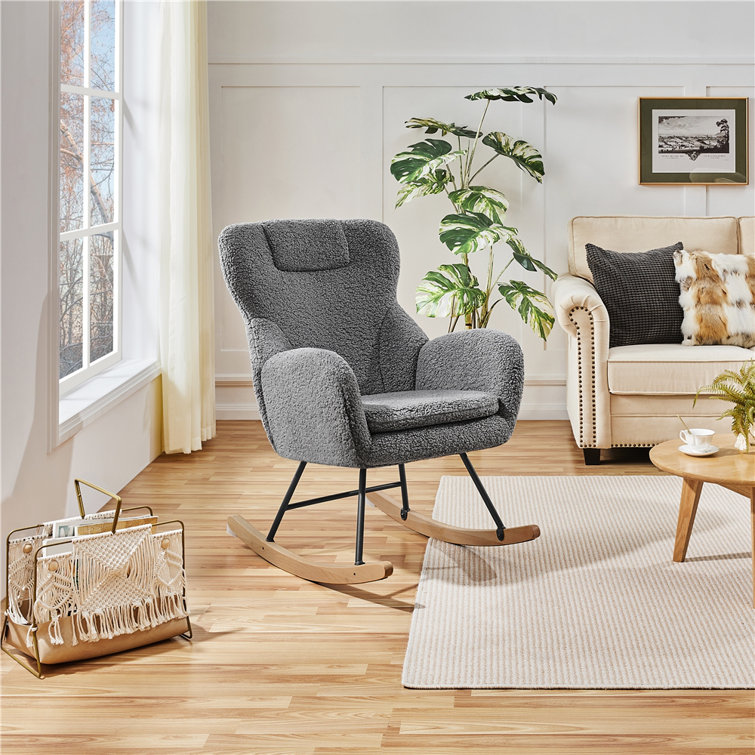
625 445
582 442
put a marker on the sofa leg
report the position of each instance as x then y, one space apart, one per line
592 456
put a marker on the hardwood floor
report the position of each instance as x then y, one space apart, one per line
279 665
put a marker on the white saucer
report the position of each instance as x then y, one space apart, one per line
707 451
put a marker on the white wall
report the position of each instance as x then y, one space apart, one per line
308 102
36 482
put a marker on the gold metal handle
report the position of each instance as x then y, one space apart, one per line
118 500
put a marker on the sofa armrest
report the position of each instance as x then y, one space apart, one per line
583 315
571 293
475 360
314 408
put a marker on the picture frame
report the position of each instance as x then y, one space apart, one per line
693 140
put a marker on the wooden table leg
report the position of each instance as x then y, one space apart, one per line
687 510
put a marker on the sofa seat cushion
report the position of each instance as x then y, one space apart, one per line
404 410
670 369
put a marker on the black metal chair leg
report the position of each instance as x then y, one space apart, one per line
404 492
287 498
360 516
485 497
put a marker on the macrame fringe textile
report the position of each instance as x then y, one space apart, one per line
109 584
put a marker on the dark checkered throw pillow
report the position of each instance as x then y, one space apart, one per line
640 292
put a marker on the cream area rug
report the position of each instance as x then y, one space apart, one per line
596 601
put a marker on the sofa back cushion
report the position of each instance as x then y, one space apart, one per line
626 233
747 236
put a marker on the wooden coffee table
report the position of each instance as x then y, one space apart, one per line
728 467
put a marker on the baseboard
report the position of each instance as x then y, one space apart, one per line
542 411
237 411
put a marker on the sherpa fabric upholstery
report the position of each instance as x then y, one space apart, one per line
403 410
325 334
296 250
640 293
717 295
475 360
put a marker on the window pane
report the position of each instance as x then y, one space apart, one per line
72 42
102 44
101 157
71 161
70 274
101 295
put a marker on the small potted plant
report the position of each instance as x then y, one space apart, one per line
738 388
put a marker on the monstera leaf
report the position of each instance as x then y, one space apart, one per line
513 94
433 183
526 260
481 199
421 159
450 283
432 126
522 153
533 307
466 234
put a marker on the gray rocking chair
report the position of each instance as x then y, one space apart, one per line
344 377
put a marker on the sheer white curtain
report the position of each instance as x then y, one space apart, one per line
187 247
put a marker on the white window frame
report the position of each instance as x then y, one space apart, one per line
90 369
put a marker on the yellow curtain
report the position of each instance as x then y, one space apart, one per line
187 348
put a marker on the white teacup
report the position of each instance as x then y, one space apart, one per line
697 437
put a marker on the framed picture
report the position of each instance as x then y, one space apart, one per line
693 140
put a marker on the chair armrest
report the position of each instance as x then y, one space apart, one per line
474 360
583 315
314 408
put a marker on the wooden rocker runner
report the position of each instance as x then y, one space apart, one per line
344 377
267 548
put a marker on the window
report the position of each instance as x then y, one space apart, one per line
89 209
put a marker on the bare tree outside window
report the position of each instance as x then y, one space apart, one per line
88 216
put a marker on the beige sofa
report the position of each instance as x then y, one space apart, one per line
631 395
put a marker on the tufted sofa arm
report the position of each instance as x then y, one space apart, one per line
475 360
314 408
582 314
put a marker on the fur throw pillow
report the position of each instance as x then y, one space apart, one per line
718 298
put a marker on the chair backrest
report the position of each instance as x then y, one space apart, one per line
635 233
328 284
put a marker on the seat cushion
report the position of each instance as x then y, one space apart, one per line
670 369
404 410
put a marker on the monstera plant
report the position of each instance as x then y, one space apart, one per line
477 224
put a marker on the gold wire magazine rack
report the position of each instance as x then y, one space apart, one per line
92 585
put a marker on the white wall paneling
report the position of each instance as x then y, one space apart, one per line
313 139
729 201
